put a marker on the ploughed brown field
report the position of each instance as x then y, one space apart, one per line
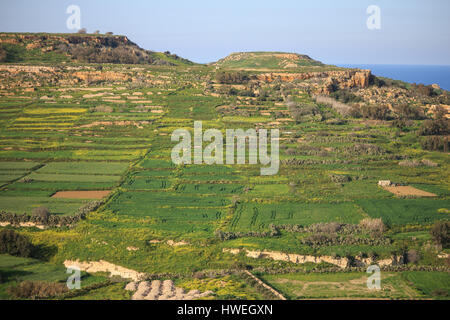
409 191
81 194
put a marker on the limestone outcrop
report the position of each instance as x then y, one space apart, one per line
298 258
344 79
105 266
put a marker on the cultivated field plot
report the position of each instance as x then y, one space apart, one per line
406 211
81 194
256 216
409 191
342 286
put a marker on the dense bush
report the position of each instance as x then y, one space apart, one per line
119 54
375 81
345 96
409 112
422 90
434 127
402 123
15 244
37 290
436 143
231 77
378 112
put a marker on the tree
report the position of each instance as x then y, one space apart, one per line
42 214
15 244
82 31
412 256
440 232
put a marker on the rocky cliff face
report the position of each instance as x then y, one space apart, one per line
44 40
346 79
90 48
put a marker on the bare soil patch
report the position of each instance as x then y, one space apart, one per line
82 194
409 191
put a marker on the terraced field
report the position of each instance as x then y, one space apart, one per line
115 135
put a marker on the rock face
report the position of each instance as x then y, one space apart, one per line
344 79
24 225
40 41
94 76
86 48
104 266
298 258
162 290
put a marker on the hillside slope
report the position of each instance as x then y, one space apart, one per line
85 48
266 60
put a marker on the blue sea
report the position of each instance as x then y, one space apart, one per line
409 73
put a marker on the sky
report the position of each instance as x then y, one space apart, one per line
414 32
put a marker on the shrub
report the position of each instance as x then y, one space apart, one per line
345 96
440 232
15 244
37 289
